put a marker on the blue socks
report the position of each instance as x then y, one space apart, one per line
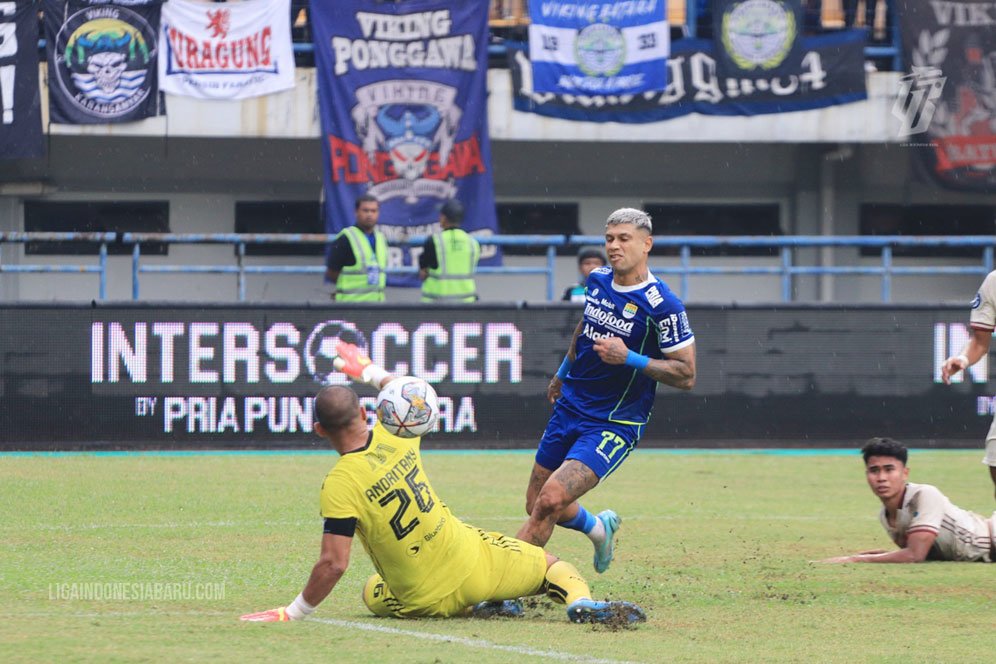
583 521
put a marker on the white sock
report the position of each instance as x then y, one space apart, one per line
597 533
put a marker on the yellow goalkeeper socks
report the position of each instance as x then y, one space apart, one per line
564 584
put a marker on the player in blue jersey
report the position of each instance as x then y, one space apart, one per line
633 335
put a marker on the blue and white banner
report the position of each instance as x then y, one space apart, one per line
828 71
231 50
20 99
402 96
591 47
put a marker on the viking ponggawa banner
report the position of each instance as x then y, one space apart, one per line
946 107
605 48
102 60
402 96
232 50
828 71
20 100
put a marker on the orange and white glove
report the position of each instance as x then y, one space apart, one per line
351 361
294 611
273 615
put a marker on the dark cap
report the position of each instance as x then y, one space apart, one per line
452 210
591 252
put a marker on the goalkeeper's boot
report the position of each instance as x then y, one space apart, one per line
589 611
509 608
603 552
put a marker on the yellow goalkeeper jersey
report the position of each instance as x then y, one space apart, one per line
421 550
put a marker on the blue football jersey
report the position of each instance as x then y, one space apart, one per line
650 319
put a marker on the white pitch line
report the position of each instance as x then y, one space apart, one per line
471 520
470 643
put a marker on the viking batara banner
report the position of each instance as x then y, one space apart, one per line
231 50
20 100
604 48
829 71
756 36
402 94
102 60
947 101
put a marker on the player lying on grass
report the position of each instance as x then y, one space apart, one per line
428 562
919 518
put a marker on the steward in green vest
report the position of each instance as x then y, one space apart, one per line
449 259
358 257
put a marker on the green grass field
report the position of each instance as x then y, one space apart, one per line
716 547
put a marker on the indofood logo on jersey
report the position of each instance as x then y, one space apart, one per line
758 34
600 50
608 319
104 65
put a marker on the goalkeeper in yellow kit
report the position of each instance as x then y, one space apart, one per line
428 562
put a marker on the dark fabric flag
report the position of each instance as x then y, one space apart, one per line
946 108
20 99
403 102
828 70
102 60
756 38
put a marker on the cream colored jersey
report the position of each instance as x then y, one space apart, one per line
961 535
416 544
983 315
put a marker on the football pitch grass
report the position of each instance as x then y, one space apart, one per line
716 547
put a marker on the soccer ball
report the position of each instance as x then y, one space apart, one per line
408 407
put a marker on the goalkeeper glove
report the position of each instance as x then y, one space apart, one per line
296 610
352 362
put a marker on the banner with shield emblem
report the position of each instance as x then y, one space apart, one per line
402 96
102 60
587 47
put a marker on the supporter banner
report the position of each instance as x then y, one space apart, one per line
829 71
20 100
596 47
947 103
244 376
232 50
102 60
402 94
757 37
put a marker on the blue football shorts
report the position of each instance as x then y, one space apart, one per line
598 444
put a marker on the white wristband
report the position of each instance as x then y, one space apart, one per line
298 608
964 359
373 375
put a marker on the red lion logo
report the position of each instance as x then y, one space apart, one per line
218 22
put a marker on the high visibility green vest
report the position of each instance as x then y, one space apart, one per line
365 280
457 254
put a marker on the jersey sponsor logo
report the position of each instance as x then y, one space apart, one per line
594 293
608 319
977 301
674 328
629 310
654 296
605 269
594 334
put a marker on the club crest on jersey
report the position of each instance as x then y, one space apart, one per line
629 310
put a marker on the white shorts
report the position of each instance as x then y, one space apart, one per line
990 458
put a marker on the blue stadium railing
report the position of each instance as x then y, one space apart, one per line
785 267
100 268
